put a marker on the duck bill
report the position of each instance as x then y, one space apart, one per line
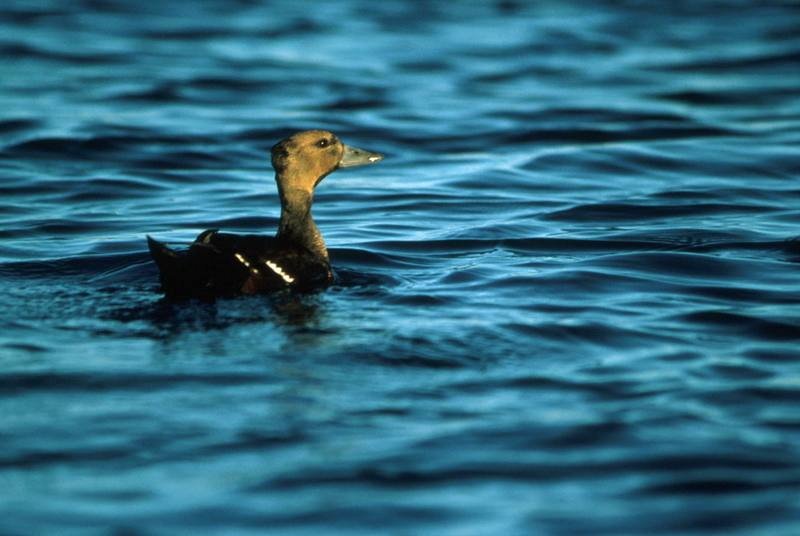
353 156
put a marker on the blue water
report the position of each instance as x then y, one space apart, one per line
568 301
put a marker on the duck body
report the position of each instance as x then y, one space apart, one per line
223 264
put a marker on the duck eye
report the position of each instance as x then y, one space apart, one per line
323 142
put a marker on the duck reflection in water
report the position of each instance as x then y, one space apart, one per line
285 309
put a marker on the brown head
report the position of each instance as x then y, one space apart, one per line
302 160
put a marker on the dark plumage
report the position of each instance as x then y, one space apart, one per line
223 264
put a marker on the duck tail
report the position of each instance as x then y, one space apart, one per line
171 265
161 254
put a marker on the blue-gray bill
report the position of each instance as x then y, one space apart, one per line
353 156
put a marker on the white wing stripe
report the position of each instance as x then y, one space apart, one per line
271 265
243 260
278 270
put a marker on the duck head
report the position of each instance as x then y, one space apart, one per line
302 160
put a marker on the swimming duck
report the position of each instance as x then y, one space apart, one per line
219 264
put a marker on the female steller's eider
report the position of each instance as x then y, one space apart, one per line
223 264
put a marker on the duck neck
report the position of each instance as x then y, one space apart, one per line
297 225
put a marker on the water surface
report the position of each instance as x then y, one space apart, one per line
566 303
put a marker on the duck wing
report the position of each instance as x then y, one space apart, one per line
221 264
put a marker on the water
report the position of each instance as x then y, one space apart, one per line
566 303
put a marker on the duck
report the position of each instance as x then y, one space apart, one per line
296 258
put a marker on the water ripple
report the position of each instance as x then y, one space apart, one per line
565 303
